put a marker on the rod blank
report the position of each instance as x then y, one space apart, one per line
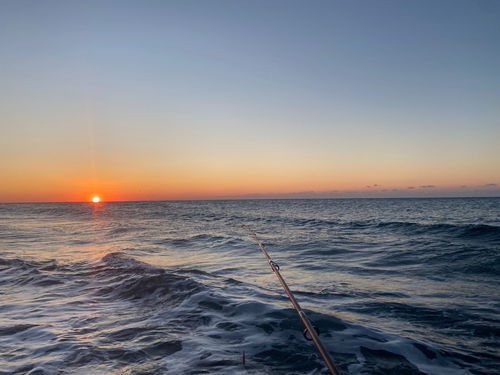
330 363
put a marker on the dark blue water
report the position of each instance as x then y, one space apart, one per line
396 286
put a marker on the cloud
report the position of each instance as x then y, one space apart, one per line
427 186
463 186
369 187
395 190
411 187
384 190
374 185
490 185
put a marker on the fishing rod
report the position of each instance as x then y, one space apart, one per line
310 328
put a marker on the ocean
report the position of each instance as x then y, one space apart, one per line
395 286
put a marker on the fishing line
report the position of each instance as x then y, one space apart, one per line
311 328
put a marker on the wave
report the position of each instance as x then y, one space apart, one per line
473 232
123 278
200 240
16 272
160 319
464 231
116 277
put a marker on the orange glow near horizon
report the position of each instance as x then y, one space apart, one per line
216 182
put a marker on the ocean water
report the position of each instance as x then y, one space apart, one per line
396 286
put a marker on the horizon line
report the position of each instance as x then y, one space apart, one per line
247 199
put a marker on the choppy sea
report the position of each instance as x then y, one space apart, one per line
396 286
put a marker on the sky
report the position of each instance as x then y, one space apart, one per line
166 100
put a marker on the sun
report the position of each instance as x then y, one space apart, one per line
95 200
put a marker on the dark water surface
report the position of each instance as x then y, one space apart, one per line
396 286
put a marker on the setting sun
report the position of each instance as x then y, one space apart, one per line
95 200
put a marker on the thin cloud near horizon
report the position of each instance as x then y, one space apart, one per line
384 193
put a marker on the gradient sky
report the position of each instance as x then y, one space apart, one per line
143 100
